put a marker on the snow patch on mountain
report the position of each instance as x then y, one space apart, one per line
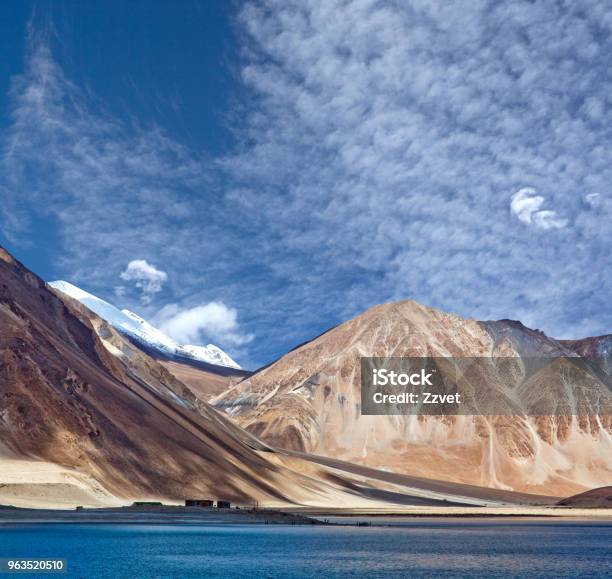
132 324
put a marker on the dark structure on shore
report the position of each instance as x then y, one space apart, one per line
207 503
146 504
200 503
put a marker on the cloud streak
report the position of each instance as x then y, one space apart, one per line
107 182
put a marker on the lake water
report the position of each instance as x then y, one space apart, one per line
416 548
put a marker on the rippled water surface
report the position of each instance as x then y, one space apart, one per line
421 548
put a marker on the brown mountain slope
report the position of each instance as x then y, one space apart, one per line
67 400
598 348
205 380
309 401
600 498
205 384
86 418
136 364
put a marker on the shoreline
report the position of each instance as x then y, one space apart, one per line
511 512
177 515
158 515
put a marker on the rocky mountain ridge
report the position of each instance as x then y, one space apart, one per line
309 401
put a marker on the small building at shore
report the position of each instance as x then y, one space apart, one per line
146 504
224 505
209 503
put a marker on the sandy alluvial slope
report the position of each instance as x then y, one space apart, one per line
37 483
309 401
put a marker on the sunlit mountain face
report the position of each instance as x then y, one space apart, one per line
310 400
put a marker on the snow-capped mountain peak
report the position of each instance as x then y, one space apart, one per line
138 328
210 353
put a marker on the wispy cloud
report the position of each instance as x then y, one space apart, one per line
592 199
109 183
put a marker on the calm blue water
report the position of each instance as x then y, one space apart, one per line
417 548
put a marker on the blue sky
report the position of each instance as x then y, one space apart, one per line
253 173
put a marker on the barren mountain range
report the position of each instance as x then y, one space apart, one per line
89 417
309 401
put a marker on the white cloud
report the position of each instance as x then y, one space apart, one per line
213 320
593 199
548 220
145 276
526 205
